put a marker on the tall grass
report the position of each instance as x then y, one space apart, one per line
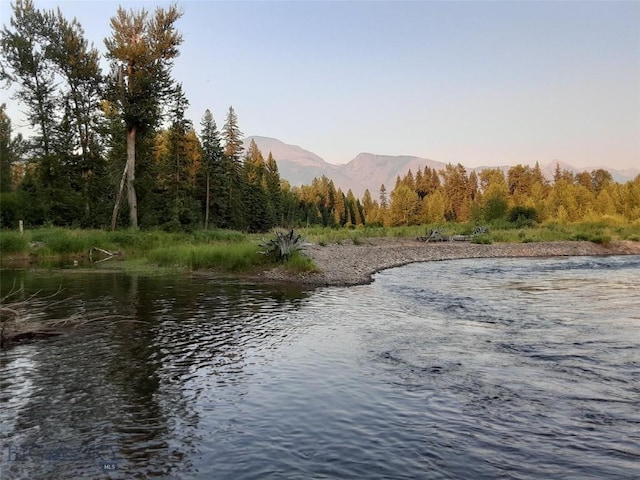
236 257
12 242
298 263
234 251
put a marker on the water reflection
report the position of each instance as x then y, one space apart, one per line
121 390
498 369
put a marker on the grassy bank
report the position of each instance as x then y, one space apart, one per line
220 250
237 252
599 232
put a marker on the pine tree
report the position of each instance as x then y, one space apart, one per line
142 50
183 164
213 167
257 208
273 188
233 146
383 198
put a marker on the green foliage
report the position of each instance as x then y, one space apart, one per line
592 237
298 263
62 241
482 239
522 216
495 208
10 210
12 242
70 167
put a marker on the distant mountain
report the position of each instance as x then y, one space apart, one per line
369 171
366 171
297 165
620 176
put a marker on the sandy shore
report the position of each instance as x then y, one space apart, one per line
355 264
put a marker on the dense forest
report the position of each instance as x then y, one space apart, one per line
114 149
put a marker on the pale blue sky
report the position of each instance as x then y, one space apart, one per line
480 83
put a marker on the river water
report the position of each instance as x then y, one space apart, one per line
483 369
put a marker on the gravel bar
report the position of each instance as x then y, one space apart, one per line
355 264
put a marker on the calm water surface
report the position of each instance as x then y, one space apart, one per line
478 369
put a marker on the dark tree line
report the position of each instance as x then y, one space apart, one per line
115 149
98 138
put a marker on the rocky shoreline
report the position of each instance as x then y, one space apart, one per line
355 264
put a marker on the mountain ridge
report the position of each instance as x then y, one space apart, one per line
370 170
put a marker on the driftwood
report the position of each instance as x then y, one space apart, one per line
23 319
283 245
102 255
436 235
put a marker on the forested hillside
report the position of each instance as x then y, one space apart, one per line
113 149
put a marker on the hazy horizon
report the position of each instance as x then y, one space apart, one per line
477 83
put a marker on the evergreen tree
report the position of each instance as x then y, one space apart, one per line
25 65
234 181
171 203
11 148
370 208
257 208
354 209
456 190
142 50
232 136
273 189
340 213
433 208
383 198
404 206
58 79
213 167
10 155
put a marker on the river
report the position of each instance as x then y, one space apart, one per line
483 369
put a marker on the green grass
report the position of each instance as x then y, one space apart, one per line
235 257
299 263
12 242
232 251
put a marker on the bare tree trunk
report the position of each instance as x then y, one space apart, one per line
206 209
116 207
131 176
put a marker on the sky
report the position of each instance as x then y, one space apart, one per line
478 83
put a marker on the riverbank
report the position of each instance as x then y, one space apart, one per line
355 264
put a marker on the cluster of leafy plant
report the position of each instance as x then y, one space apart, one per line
283 245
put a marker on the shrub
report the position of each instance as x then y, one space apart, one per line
522 216
299 263
481 239
283 245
